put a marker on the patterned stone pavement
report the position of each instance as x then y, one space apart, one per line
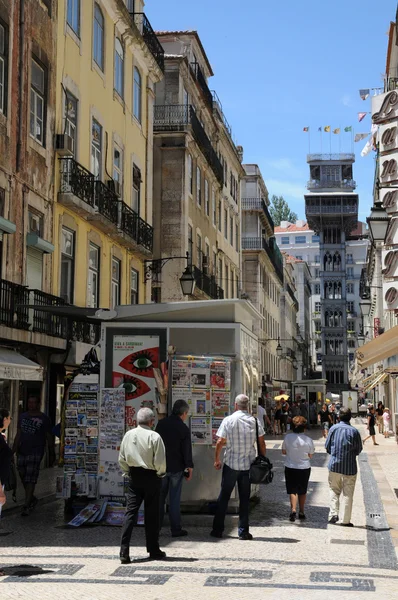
42 558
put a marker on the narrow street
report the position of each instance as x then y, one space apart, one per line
308 559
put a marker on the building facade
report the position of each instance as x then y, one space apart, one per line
197 169
262 267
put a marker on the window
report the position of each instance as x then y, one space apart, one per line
207 198
351 343
115 281
206 259
299 257
3 67
220 282
36 222
226 287
213 203
137 95
185 97
190 173
190 244
350 271
225 172
93 276
317 258
198 186
118 167
96 149
315 239
350 307
350 325
73 15
237 237
300 239
98 37
316 274
350 288
317 307
231 231
350 259
219 216
134 287
67 265
226 223
317 288
71 119
351 356
285 240
136 199
37 102
119 68
199 252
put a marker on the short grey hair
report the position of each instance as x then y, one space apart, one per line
242 402
180 407
145 416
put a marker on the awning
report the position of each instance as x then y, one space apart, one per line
16 366
379 379
380 348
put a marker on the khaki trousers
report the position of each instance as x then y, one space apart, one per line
341 484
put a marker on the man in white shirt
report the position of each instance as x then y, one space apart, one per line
238 434
143 457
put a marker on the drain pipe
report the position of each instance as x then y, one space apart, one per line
21 81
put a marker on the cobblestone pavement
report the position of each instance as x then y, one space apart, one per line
308 560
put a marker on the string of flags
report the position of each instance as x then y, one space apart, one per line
327 128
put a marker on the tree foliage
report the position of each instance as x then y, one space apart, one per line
280 211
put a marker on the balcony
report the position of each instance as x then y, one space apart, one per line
346 157
271 248
257 204
201 80
207 284
96 202
45 322
179 117
13 297
345 205
347 184
291 294
154 46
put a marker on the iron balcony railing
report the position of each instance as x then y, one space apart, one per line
149 36
272 250
207 284
347 206
342 156
257 204
81 331
76 180
315 184
13 301
45 322
177 117
201 79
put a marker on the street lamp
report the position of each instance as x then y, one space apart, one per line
187 279
279 350
365 306
378 223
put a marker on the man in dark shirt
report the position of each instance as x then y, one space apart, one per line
177 440
34 431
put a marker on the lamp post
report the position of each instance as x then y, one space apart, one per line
378 223
187 279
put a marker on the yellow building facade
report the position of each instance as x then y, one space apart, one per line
108 61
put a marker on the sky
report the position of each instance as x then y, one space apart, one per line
283 65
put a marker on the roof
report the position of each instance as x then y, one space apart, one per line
191 32
359 230
293 227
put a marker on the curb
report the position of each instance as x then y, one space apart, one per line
12 508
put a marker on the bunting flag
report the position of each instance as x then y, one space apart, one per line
360 136
348 128
319 128
364 94
327 129
306 129
361 116
336 131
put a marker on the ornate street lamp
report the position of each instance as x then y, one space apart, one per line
378 222
364 306
187 279
279 350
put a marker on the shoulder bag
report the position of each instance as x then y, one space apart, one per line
261 468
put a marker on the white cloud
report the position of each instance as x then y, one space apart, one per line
346 100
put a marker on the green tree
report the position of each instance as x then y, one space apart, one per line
280 211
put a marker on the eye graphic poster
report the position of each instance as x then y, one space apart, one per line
134 358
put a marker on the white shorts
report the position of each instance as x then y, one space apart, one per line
386 428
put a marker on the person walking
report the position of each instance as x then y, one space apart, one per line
343 444
143 458
324 420
379 416
33 433
386 422
371 426
262 415
298 449
238 434
277 419
5 456
177 442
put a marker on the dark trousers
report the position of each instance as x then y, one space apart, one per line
230 478
144 485
172 486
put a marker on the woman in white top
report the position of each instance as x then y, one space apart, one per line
298 449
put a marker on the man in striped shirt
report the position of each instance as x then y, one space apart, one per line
343 444
238 433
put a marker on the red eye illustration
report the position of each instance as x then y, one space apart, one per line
142 362
134 387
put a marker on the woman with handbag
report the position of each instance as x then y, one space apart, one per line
5 454
298 449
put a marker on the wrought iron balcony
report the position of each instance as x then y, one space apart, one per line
77 180
177 117
257 204
13 301
271 248
45 322
201 79
331 206
208 284
149 36
106 202
135 227
344 156
81 331
347 184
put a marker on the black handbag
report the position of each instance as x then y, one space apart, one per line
261 468
11 482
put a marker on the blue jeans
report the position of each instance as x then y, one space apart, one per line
172 486
230 478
